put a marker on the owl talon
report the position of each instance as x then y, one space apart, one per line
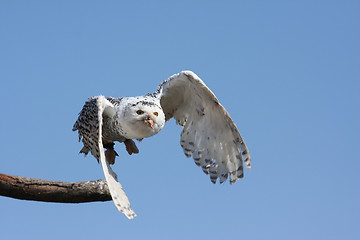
110 153
131 146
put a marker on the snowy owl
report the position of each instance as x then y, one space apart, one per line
209 135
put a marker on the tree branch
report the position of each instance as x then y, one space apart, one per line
53 191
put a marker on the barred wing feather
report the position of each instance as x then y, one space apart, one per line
209 135
89 126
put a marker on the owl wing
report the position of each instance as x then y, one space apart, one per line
209 135
89 127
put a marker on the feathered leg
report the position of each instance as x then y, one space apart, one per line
131 146
110 153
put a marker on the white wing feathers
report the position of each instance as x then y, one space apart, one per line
89 126
117 192
209 135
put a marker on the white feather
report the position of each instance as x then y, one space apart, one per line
209 134
117 192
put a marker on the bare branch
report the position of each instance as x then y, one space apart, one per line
53 191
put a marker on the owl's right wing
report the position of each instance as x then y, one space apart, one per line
89 127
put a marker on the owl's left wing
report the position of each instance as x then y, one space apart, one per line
209 134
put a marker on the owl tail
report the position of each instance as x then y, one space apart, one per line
117 192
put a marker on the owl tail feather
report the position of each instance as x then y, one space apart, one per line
117 192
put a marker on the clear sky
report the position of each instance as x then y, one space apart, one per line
288 72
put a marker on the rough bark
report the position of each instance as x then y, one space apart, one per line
53 191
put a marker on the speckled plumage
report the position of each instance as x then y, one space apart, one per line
209 135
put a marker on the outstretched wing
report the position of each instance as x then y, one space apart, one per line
89 126
209 135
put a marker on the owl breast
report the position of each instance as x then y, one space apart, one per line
112 130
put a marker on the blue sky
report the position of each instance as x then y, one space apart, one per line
287 72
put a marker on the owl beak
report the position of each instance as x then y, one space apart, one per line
149 122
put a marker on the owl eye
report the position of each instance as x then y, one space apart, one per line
139 112
156 113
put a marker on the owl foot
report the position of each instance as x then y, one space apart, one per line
131 147
110 153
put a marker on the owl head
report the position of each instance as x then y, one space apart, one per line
143 117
